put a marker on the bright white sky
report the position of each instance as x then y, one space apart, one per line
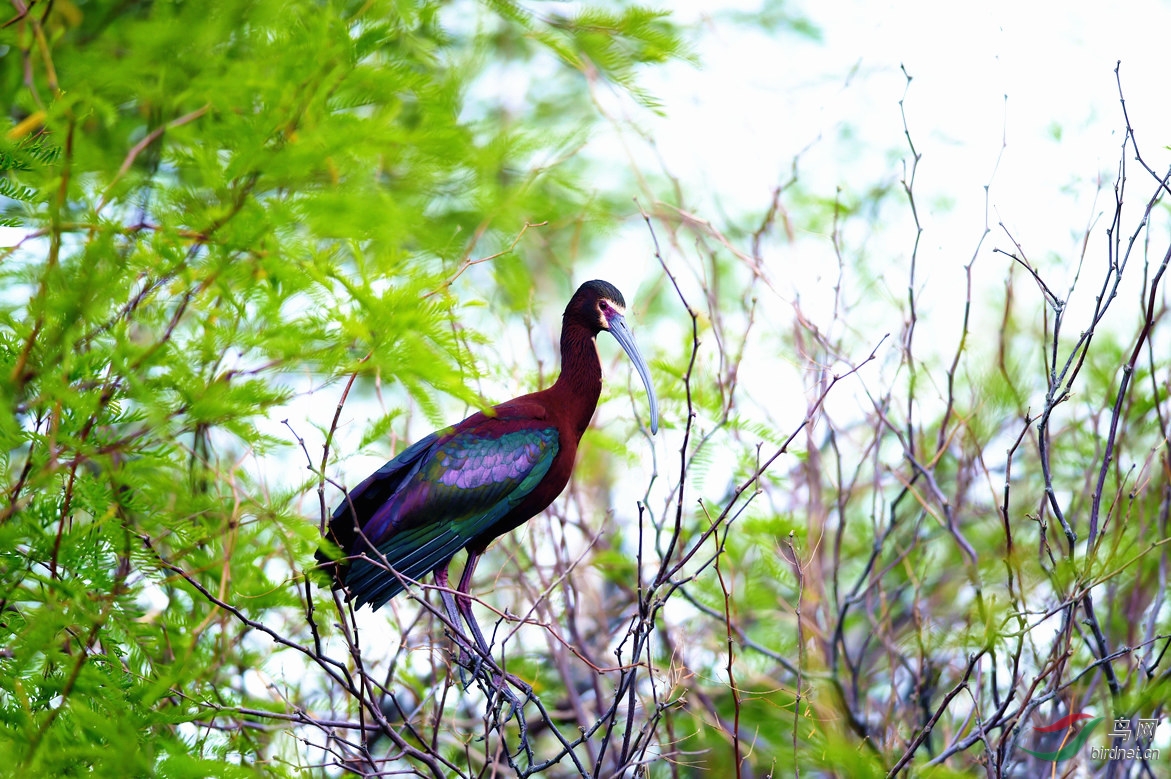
756 101
1039 74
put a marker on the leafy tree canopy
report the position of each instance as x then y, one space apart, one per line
204 199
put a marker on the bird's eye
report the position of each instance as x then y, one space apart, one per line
603 306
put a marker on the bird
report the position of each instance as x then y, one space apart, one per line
465 485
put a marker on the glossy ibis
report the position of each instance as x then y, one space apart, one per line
463 486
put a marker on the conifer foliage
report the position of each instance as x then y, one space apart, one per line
207 206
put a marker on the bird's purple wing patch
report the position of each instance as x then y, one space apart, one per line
484 462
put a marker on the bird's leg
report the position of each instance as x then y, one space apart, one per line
460 604
453 616
463 600
445 594
500 681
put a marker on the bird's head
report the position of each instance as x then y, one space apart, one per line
599 306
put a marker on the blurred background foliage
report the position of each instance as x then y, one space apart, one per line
217 213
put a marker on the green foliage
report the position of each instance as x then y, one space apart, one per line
217 201
23 156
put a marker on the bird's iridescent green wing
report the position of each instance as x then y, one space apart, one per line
459 486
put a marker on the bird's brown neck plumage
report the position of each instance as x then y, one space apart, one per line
579 386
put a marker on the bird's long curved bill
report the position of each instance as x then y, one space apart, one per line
622 335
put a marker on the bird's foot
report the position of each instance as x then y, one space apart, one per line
470 661
470 667
477 666
500 696
504 703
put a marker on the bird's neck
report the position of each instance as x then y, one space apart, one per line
579 386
